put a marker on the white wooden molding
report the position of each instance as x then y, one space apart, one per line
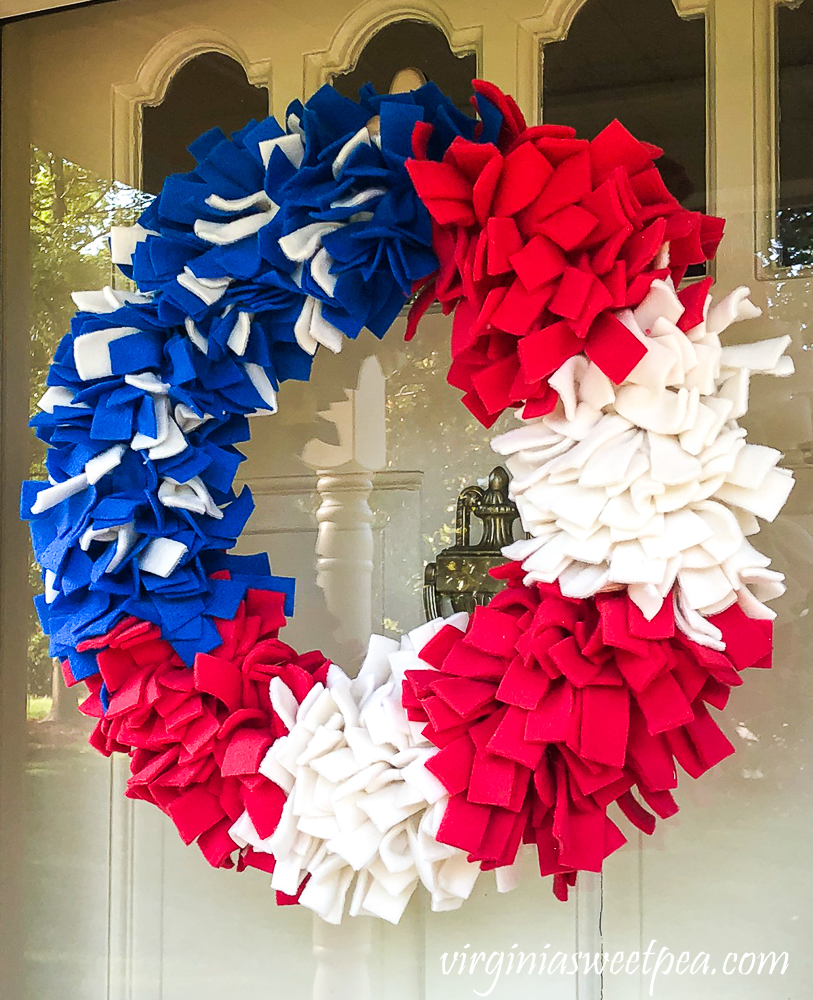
356 30
553 25
766 144
150 87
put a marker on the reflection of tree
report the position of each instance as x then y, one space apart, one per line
429 429
793 246
72 209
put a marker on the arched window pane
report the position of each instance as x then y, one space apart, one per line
644 64
795 112
411 44
209 90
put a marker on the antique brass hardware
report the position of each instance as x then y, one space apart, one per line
459 574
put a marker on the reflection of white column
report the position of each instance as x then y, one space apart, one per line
589 904
344 563
344 557
342 959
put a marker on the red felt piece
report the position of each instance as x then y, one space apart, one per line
539 262
525 173
613 347
504 240
572 294
569 227
545 350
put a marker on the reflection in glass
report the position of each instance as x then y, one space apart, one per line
644 64
415 45
210 91
794 217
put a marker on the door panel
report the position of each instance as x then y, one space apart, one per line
114 904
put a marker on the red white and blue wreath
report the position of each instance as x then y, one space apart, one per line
631 608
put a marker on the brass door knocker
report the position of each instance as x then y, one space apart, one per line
460 573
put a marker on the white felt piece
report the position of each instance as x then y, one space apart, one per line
379 902
302 327
191 495
259 199
736 306
584 420
758 356
703 374
579 505
321 330
124 240
303 243
630 564
243 832
208 290
51 591
565 380
582 580
148 382
675 341
103 463
320 271
362 137
784 368
660 300
187 419
609 464
735 388
196 336
753 607
162 556
161 409
764 502
682 529
56 493
663 412
596 387
657 369
676 497
359 198
107 299
647 598
749 525
91 351
695 626
291 145
594 550
173 442
752 465
126 537
59 395
704 588
530 435
670 464
238 338
225 233
706 427
261 382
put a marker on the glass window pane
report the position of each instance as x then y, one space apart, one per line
411 45
795 204
644 64
210 90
